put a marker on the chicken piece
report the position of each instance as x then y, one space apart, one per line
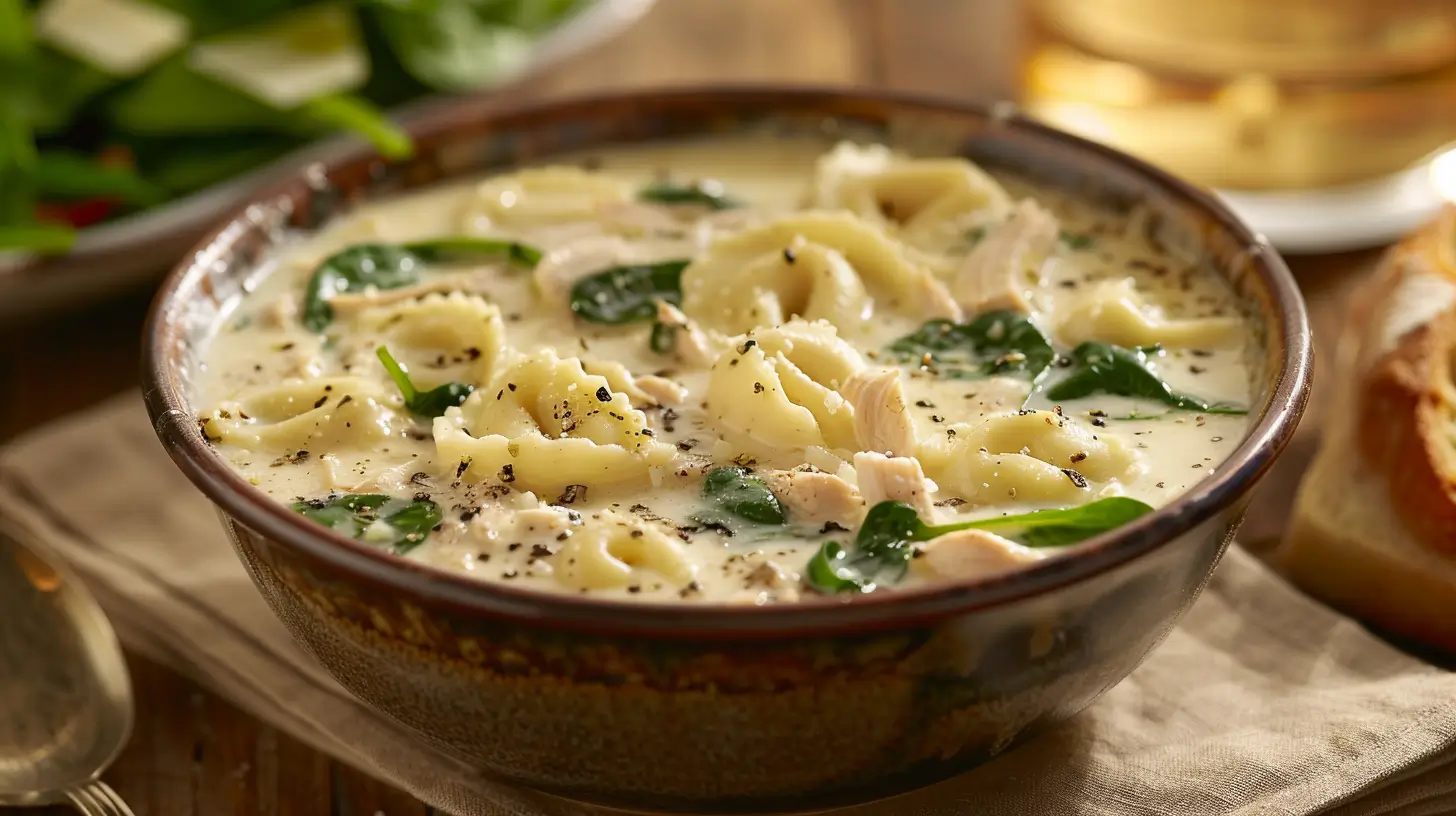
635 219
768 582
662 390
1002 271
816 497
894 478
561 268
348 304
692 345
970 554
646 391
882 421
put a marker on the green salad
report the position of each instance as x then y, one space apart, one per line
108 107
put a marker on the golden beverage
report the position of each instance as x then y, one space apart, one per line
1250 94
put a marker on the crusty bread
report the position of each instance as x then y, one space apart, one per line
1374 527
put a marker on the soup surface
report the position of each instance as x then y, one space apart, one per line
740 371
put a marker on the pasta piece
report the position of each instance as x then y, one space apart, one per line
541 196
776 390
815 265
970 554
814 497
301 415
441 338
894 478
348 304
1115 312
618 551
934 201
1004 269
544 423
1027 456
882 419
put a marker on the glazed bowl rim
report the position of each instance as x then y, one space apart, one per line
176 426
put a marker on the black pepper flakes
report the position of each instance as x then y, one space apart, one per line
464 465
758 388
789 255
572 494
604 395
508 473
1077 479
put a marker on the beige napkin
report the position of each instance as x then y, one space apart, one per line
1260 702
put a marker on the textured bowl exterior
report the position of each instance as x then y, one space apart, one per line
717 708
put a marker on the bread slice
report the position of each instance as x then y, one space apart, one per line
1374 526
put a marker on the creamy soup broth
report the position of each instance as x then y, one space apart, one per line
710 450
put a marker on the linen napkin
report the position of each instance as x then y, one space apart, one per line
1261 701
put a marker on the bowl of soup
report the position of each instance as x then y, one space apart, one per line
729 449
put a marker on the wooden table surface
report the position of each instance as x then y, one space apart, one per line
194 754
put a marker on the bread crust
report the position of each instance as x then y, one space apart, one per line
1406 400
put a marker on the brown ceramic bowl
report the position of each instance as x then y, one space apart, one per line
715 707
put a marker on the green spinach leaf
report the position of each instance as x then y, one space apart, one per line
736 491
708 193
663 338
1000 342
62 174
428 404
383 266
452 45
1102 368
45 239
391 266
407 523
884 539
1077 242
465 248
627 294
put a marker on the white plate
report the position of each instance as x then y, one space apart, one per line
132 250
1357 216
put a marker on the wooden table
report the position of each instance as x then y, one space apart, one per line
194 754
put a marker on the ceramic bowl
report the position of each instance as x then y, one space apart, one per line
713 707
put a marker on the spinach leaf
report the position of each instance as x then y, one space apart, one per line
975 235
383 266
62 174
707 192
627 294
999 342
452 45
1077 242
408 523
466 248
884 539
391 266
45 239
428 404
736 491
663 339
1102 368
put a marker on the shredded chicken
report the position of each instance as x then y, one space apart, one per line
347 304
882 422
692 345
645 391
561 268
279 314
894 478
768 582
816 497
1003 269
971 554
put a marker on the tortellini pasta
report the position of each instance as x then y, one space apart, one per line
542 424
617 551
543 196
776 390
933 201
440 338
815 265
348 412
1115 312
1025 456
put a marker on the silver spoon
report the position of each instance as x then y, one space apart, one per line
65 696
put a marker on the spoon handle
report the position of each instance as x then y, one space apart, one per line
96 798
